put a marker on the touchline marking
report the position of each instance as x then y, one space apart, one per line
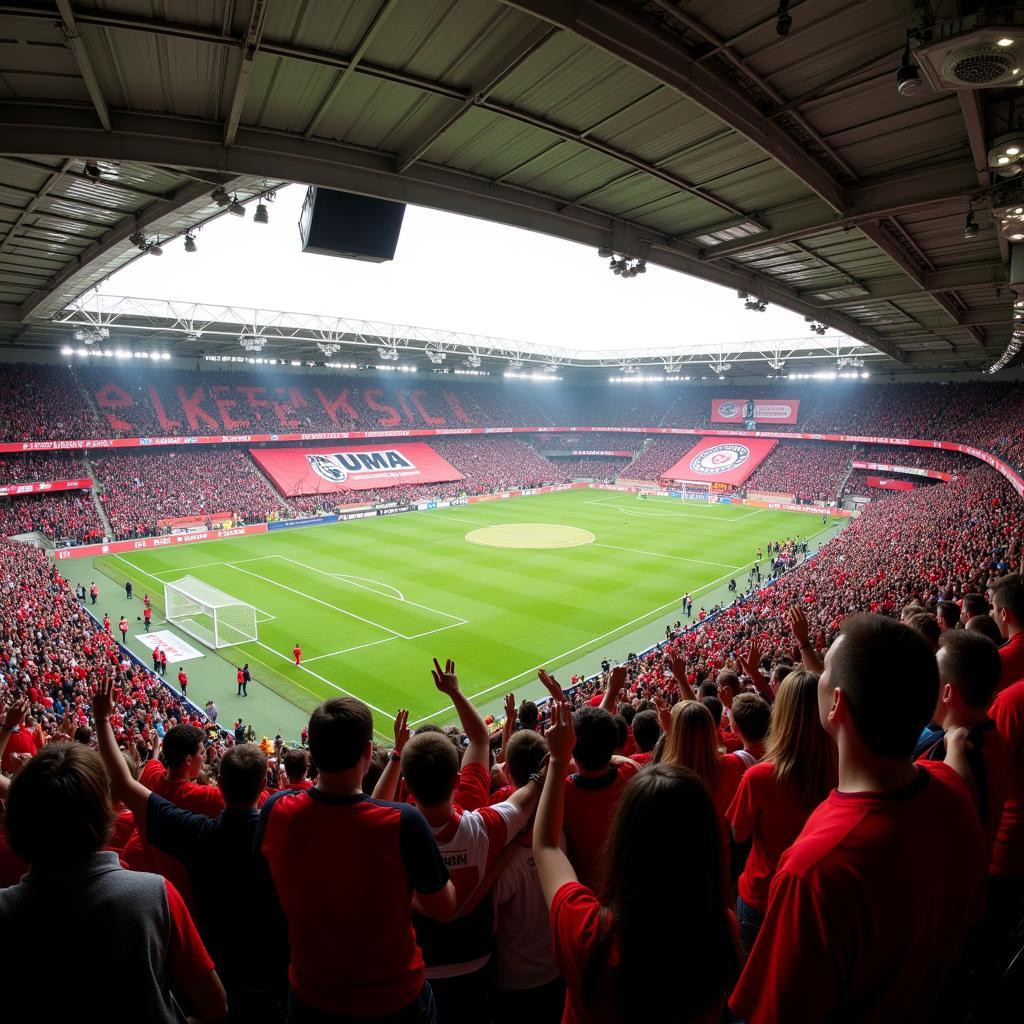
449 519
345 650
678 558
594 640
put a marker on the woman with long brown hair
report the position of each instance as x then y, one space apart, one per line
639 948
776 797
693 743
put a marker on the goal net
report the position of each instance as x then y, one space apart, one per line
211 616
689 490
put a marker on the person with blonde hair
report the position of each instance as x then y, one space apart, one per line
776 797
693 742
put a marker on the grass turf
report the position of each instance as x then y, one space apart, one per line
373 600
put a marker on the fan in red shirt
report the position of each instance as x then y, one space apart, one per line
776 797
864 920
969 669
183 681
1008 608
611 942
1006 877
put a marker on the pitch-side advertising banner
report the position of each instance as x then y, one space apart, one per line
46 485
316 470
721 460
762 410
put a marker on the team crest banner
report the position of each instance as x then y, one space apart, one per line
318 470
723 460
760 410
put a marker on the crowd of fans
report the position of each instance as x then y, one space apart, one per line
579 468
809 470
17 469
919 458
138 490
64 517
838 753
857 482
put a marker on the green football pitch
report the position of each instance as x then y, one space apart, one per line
372 601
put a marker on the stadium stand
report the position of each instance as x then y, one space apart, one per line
809 470
67 517
16 469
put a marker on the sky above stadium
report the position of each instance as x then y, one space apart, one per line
453 273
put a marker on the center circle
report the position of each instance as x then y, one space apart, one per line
530 535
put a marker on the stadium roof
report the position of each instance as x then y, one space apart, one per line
694 136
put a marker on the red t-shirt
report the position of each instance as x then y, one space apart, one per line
869 907
578 931
589 806
732 769
1008 713
1011 654
20 741
771 814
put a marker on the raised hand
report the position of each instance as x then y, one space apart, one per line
16 713
561 735
664 713
552 685
445 678
677 663
103 700
510 707
752 662
617 680
725 694
798 623
401 729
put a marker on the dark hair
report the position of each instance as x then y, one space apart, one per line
752 715
180 743
339 730
597 736
296 764
646 730
986 626
889 678
972 664
528 714
1008 593
378 762
948 612
714 705
523 756
974 604
781 671
622 729
708 688
664 811
59 810
430 765
926 626
83 734
728 678
626 710
243 774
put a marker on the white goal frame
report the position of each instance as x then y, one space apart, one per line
692 490
214 618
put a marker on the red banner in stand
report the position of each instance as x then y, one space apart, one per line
46 485
721 460
318 470
762 410
888 484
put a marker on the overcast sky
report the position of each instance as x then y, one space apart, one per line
453 273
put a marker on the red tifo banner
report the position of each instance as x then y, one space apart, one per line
763 410
78 444
889 485
316 470
46 485
721 460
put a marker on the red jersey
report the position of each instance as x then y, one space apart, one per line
770 813
1008 713
20 741
240 677
858 922
589 806
1011 654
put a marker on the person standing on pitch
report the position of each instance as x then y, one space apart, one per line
183 682
128 589
163 662
246 679
240 679
123 626
147 615
297 651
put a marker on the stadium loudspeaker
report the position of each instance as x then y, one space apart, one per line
355 227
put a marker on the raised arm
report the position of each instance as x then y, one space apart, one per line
387 784
509 727
616 684
808 655
752 666
553 867
14 715
133 794
478 750
678 665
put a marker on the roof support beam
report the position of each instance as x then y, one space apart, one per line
8 240
81 54
250 46
353 63
491 80
894 289
639 41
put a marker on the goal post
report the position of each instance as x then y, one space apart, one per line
211 616
692 490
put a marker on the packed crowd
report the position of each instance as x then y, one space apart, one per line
655 459
16 469
858 482
920 458
809 470
579 468
138 490
64 517
840 754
